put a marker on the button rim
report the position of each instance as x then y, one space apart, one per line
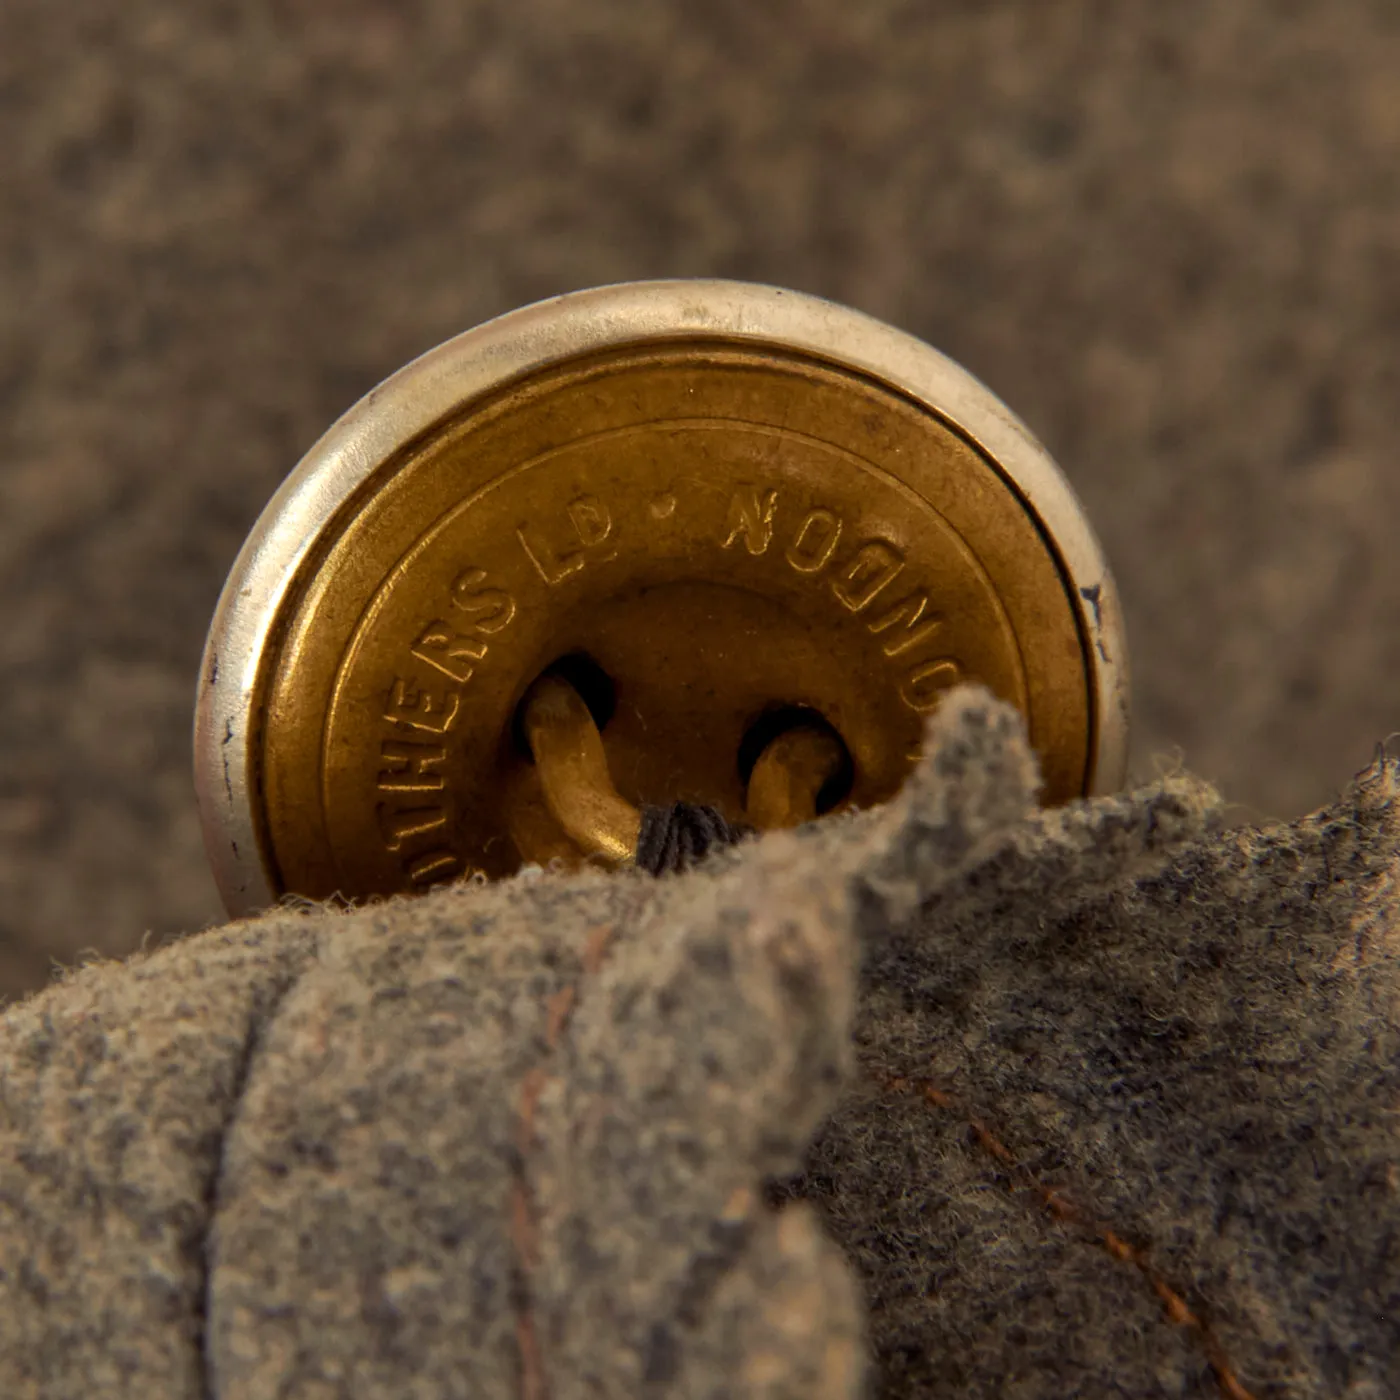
478 361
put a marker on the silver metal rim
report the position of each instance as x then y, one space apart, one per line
441 381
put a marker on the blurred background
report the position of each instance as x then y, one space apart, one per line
1168 235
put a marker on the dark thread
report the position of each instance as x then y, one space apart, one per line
676 837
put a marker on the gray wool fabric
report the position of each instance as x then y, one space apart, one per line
954 1097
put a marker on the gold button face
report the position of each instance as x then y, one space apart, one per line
722 527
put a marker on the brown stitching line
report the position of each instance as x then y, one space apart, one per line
524 1236
1067 1213
524 1221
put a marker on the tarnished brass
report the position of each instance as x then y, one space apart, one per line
573 771
784 787
723 528
789 776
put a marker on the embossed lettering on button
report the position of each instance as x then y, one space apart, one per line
727 499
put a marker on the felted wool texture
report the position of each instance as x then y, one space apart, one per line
497 1141
1094 1101
510 1142
1125 1117
117 1088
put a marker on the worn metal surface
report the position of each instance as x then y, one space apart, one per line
729 497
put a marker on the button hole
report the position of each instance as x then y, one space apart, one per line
594 686
778 720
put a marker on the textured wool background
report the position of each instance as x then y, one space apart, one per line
1167 235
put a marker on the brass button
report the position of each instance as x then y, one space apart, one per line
702 508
